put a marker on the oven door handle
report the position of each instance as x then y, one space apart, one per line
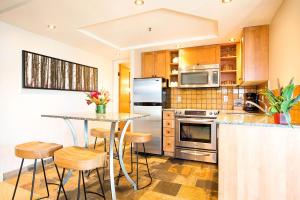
194 153
196 120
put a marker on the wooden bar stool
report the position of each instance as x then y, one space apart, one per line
104 134
81 159
137 139
36 150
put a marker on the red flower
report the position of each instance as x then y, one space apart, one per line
95 94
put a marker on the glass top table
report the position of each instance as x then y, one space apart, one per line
113 118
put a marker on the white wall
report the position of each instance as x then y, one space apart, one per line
21 109
285 44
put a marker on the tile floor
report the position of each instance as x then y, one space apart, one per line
172 179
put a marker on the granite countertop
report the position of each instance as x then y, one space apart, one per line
250 119
92 116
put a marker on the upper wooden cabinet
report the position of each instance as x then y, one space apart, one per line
255 55
200 55
155 64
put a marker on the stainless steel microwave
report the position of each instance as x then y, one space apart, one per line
199 76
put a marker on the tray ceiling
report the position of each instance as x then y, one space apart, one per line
161 26
109 26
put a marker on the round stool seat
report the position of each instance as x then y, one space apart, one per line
79 158
36 150
101 133
137 137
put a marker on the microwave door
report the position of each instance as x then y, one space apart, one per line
194 79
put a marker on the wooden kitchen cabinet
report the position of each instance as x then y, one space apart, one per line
200 55
155 64
147 64
255 55
169 133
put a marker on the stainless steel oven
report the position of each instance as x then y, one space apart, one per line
199 76
196 135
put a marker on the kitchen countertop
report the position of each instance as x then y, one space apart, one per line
250 119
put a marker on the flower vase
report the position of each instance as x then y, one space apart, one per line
279 118
101 109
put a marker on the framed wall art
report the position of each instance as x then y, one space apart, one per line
45 72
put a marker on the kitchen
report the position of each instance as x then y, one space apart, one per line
175 110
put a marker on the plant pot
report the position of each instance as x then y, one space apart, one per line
101 109
279 118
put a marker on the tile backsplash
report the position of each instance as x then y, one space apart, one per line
208 98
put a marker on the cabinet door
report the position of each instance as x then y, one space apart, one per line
188 56
256 53
208 55
148 64
160 64
200 55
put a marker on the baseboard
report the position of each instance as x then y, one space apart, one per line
13 173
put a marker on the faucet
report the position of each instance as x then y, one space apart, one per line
265 110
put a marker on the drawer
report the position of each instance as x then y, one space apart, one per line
169 143
169 123
168 115
169 132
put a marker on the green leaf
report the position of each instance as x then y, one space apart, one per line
292 81
295 100
288 119
285 106
288 91
273 110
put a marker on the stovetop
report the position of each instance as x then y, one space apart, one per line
196 113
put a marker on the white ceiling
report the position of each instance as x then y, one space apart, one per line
166 26
108 26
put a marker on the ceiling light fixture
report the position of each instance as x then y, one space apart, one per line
226 1
139 2
51 26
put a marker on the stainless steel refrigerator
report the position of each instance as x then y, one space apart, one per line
150 96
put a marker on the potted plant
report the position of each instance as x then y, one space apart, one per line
100 99
280 105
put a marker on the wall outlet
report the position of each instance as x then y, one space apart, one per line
178 99
225 99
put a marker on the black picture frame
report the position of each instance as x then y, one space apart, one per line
49 73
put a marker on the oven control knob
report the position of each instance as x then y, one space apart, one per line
216 113
210 113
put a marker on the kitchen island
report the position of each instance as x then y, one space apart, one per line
257 158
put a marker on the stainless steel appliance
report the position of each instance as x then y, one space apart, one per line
196 135
150 96
199 76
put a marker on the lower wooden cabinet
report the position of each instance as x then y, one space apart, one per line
169 133
169 144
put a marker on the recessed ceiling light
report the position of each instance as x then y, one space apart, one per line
51 26
226 1
139 2
232 40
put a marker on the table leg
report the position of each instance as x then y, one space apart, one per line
111 161
75 142
72 129
86 133
121 155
